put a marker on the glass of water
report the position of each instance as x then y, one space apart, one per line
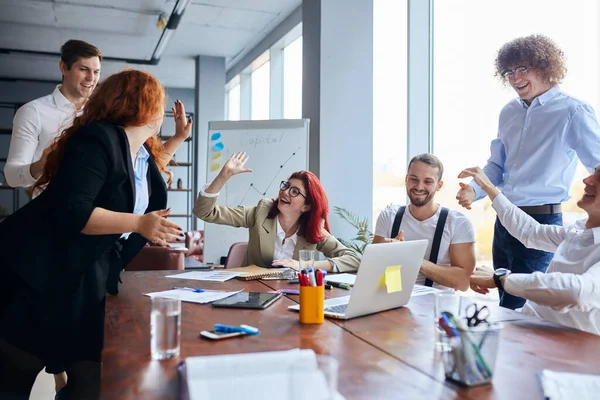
307 259
165 328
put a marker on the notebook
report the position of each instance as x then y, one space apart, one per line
284 375
253 272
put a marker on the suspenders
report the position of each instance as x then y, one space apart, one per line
437 237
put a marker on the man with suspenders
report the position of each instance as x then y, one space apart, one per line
451 250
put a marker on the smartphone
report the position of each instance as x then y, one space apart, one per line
214 335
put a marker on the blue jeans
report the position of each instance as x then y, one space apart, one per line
510 253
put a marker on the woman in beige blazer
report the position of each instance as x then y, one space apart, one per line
279 228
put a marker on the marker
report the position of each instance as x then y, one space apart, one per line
232 329
190 289
294 281
340 285
289 291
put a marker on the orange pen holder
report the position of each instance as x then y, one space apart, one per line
312 299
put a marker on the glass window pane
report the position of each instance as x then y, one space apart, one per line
260 81
292 79
389 103
234 103
468 98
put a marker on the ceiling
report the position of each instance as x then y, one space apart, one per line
127 29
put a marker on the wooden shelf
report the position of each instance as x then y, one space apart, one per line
179 190
179 215
180 164
167 137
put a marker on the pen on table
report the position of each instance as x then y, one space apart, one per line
328 286
242 328
289 291
190 289
294 281
340 285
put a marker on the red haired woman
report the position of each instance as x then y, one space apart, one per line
59 250
296 220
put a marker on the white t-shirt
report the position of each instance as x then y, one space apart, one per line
458 229
35 126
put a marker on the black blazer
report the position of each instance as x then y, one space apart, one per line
54 277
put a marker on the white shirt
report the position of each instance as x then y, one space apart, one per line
35 126
284 248
458 229
569 292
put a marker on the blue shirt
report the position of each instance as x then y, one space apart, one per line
140 170
534 157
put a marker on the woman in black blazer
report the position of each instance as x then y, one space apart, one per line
61 251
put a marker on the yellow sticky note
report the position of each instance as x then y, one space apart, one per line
393 279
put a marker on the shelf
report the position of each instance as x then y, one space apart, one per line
179 215
167 137
179 190
180 164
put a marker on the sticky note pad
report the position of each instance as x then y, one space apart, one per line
393 278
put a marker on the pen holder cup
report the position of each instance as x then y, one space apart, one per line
471 356
312 308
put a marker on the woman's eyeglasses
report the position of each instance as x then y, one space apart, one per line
294 191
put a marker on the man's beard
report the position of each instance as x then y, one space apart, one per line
420 203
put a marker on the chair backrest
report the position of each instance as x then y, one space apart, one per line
237 255
152 258
194 241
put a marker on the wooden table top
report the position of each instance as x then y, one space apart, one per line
128 372
528 345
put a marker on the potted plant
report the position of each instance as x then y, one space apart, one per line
363 235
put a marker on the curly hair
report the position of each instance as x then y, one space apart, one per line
535 51
127 98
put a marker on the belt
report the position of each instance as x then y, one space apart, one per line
545 209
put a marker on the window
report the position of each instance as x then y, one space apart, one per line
260 81
292 79
233 105
468 98
389 103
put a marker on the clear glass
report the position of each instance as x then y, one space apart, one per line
323 380
260 93
471 359
452 303
307 259
165 328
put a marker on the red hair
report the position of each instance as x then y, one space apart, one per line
127 98
311 222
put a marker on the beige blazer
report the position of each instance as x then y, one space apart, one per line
262 233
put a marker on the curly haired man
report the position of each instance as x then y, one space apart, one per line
541 136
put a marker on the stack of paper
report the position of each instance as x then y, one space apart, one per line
208 296
213 276
568 385
282 375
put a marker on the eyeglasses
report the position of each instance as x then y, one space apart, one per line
511 73
294 191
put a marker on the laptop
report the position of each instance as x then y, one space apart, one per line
368 295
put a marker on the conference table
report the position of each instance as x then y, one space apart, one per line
381 356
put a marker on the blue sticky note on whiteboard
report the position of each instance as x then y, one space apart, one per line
215 136
218 147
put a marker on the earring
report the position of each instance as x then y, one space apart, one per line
153 126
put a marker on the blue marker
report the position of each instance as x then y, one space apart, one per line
190 289
242 328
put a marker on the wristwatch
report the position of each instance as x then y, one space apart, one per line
500 273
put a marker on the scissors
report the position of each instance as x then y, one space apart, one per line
476 315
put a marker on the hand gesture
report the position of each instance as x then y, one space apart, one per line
158 229
183 125
287 262
466 195
478 176
482 279
235 165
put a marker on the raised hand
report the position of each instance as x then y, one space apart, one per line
156 228
466 195
235 165
183 125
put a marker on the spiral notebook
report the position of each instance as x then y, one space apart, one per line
253 272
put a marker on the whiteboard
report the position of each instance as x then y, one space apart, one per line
276 149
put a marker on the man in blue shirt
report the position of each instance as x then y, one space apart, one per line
541 135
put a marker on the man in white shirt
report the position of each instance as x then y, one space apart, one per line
569 292
451 249
39 122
